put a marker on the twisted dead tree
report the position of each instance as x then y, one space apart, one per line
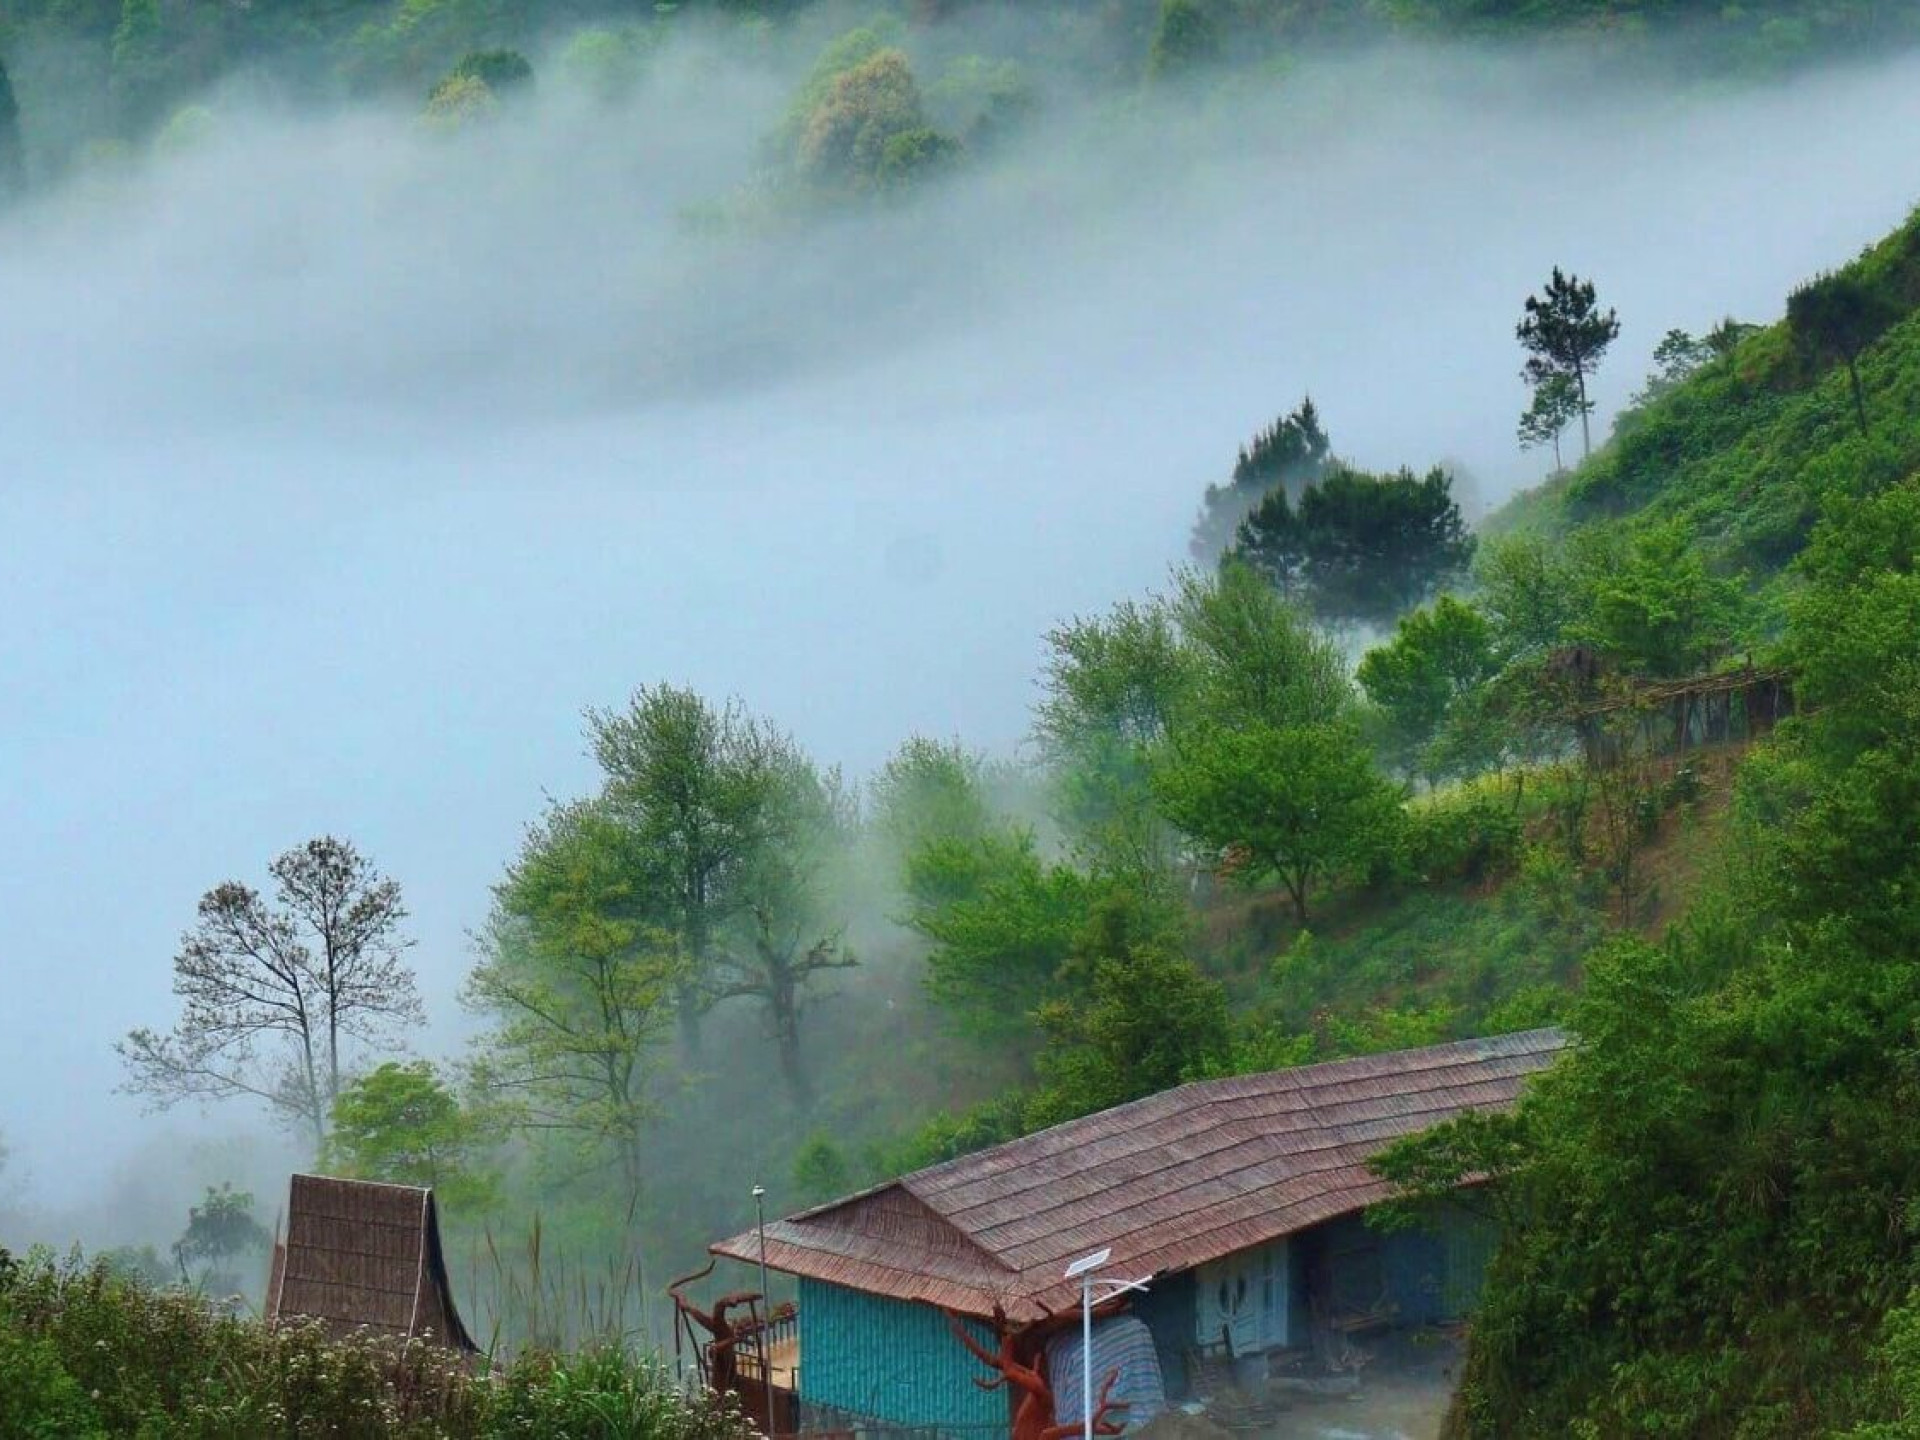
1021 1362
716 1356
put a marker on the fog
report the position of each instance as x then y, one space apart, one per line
343 461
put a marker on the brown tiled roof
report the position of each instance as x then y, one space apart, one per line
361 1255
1168 1182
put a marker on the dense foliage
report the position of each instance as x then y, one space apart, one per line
1711 1226
87 1352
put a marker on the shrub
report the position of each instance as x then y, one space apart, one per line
87 1350
1460 839
39 1399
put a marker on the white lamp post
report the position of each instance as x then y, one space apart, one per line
1083 1270
764 1340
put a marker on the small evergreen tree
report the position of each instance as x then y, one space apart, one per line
1835 317
1566 334
1290 454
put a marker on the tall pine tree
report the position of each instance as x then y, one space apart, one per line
1566 334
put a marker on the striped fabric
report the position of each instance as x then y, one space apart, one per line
1122 1343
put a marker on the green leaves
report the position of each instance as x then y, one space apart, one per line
1654 608
402 1123
1565 335
1437 658
1303 800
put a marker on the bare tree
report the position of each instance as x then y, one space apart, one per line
274 995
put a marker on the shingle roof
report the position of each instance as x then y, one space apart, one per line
363 1255
1167 1183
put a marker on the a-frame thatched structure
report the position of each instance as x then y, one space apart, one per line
364 1256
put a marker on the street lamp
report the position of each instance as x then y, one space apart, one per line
764 1341
1083 1270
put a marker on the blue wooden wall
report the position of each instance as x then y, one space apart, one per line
1167 1311
1433 1272
891 1360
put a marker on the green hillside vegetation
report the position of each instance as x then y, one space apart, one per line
1744 450
97 75
87 1352
1710 1202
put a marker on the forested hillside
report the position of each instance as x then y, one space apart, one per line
1638 753
897 92
1711 1200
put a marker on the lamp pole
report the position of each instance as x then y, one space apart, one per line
764 1339
1086 1355
1083 1270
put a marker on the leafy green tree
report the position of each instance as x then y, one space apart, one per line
1253 658
1374 546
1555 405
787 931
276 997
1113 686
1529 592
910 156
459 101
843 143
1303 801
577 987
1185 36
688 782
821 1172
1835 317
1706 1196
1566 335
403 1124
1139 1018
1290 454
1655 610
1675 359
219 1231
999 936
929 791
1439 658
501 71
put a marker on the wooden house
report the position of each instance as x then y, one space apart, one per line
363 1256
1242 1201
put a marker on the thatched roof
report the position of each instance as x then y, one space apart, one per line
1168 1183
364 1256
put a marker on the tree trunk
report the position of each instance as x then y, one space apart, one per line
1297 888
1586 435
1859 395
792 1066
316 1113
688 1006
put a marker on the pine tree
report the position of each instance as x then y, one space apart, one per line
1835 317
1566 334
